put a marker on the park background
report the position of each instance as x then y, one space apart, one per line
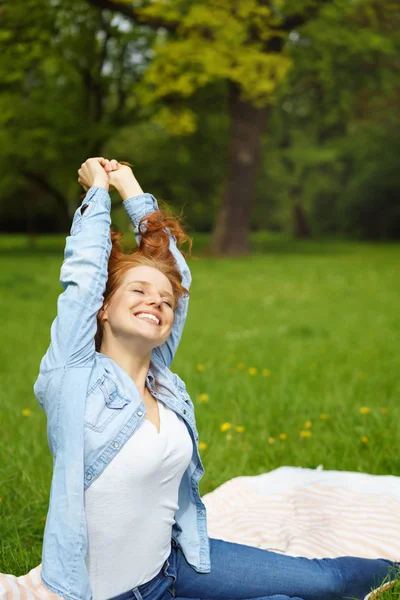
273 128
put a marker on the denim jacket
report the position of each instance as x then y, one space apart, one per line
93 406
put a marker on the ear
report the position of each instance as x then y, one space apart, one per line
103 313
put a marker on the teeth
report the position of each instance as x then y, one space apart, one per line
147 316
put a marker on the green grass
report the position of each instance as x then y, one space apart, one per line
322 318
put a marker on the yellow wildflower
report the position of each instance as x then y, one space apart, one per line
240 366
384 411
305 433
364 410
203 398
200 368
240 428
26 412
314 366
307 424
252 371
225 426
202 446
1 498
283 436
323 416
364 439
271 440
229 437
266 372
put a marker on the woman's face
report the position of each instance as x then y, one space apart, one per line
142 290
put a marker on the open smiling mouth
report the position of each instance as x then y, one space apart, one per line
148 320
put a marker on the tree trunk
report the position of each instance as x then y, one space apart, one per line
301 228
231 232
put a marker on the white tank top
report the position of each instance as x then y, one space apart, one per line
130 507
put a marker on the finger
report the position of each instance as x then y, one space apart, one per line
99 159
114 164
107 166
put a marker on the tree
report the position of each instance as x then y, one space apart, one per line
241 44
69 90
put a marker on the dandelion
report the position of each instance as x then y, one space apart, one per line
364 410
307 424
384 411
200 368
202 446
364 439
202 398
271 440
225 426
240 428
240 366
1 498
252 371
323 416
26 412
305 433
228 437
266 372
283 436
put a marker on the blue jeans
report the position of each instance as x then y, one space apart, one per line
240 572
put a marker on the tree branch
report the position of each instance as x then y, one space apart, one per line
131 13
47 187
295 21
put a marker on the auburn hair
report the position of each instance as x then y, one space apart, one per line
153 251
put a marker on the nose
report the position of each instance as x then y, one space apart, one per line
156 299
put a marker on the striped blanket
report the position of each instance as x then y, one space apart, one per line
291 510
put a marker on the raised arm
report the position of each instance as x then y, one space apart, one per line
83 277
138 204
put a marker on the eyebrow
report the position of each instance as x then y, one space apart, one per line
146 283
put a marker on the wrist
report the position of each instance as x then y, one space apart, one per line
100 182
129 190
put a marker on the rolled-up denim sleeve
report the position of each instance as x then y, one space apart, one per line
84 274
137 207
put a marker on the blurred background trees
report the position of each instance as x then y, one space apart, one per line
250 115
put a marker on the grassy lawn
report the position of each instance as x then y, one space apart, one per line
297 344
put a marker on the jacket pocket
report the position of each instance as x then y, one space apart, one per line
103 403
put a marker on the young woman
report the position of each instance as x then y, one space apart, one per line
125 520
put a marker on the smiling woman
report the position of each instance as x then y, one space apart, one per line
144 278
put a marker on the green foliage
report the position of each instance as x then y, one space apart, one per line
86 82
70 91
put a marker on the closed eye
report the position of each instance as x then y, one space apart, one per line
142 292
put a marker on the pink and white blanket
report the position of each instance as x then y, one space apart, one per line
291 510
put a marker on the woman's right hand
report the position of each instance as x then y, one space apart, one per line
124 181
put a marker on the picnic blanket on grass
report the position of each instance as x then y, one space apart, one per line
291 510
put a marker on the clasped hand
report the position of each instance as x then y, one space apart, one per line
109 174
